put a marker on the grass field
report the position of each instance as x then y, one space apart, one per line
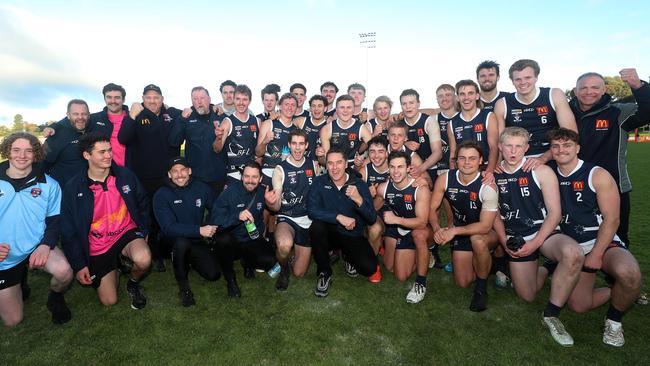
358 324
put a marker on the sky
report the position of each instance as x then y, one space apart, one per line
54 51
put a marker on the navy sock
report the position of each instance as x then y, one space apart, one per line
500 264
552 310
422 280
480 284
614 314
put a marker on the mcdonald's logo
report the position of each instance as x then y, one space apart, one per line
309 172
478 127
523 181
420 132
602 124
578 185
408 198
542 110
352 136
253 128
145 121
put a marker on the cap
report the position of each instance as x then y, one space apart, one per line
178 160
153 87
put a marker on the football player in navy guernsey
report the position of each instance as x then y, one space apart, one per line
487 75
590 215
329 91
30 204
269 101
405 214
474 206
536 109
344 132
313 123
530 211
358 94
423 133
291 181
474 123
300 92
382 120
237 134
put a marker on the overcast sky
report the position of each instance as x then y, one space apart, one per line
53 51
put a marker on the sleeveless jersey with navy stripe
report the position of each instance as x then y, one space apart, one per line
373 176
401 201
475 129
373 125
313 136
465 200
273 153
521 203
443 122
537 118
240 145
347 139
297 180
418 133
489 106
581 217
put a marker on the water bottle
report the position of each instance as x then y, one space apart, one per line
275 271
253 233
285 152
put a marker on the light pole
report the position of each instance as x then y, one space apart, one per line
367 41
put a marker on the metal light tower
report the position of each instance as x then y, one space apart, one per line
367 41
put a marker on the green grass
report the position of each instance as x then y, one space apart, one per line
358 324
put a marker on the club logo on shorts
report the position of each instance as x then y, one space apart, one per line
578 185
126 189
198 202
523 181
36 192
542 110
478 128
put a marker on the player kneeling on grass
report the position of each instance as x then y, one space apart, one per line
180 208
405 213
238 213
291 181
590 215
341 208
30 202
474 206
530 210
105 221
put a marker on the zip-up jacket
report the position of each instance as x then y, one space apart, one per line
78 207
180 210
231 203
62 156
326 201
198 133
603 132
147 142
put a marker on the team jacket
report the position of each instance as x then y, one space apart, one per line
231 202
603 132
29 213
325 201
198 133
78 206
98 122
62 156
147 142
180 210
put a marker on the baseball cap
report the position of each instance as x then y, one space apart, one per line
153 87
178 160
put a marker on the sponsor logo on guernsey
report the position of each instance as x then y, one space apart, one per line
101 123
240 205
126 189
420 132
542 110
193 121
178 201
473 196
516 115
198 202
602 124
309 172
408 198
253 128
327 187
352 136
578 185
36 192
478 127
523 181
